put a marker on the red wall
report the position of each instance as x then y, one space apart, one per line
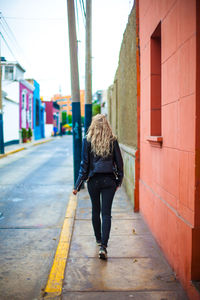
49 112
167 173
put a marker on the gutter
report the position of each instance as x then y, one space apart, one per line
137 154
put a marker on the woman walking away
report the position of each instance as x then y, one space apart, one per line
102 167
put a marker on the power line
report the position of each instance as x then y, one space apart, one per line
8 46
82 12
9 37
84 8
77 17
12 34
35 19
13 39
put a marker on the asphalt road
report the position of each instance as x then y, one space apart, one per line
35 185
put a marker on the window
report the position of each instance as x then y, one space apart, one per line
30 111
23 110
23 100
155 65
37 113
9 73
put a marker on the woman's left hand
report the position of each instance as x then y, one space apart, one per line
75 192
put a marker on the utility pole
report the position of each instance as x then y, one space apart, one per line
88 66
76 115
1 107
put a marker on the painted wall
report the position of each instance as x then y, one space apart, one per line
12 90
48 130
26 104
11 111
167 176
52 114
38 111
122 103
82 102
65 102
10 121
49 112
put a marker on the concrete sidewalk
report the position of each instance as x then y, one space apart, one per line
11 149
136 267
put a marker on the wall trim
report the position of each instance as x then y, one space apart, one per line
12 142
128 149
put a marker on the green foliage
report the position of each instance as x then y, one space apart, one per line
96 109
64 117
24 133
69 119
82 121
29 133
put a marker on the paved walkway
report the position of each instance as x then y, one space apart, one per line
135 269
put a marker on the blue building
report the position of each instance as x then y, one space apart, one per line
38 112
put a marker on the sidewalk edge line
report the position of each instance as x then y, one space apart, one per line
42 142
55 280
24 148
12 152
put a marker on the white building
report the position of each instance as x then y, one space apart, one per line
10 120
104 102
12 83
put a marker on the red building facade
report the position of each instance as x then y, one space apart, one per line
52 113
169 190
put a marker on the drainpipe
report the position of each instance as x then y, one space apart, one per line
137 154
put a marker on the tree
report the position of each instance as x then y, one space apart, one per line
64 117
69 119
96 109
82 121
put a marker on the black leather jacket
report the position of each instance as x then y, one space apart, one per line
91 164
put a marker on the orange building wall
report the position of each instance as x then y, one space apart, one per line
82 101
167 173
65 102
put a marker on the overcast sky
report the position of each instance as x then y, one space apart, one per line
42 48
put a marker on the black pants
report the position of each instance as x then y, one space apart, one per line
105 186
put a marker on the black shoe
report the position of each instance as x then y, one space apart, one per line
98 242
102 252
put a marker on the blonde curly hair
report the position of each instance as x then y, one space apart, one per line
100 136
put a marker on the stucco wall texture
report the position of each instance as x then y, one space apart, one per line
122 103
125 86
167 173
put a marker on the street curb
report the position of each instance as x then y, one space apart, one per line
11 152
42 142
23 148
53 289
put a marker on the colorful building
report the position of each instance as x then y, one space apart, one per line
25 104
82 102
18 104
154 108
170 119
65 103
52 125
38 111
10 120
